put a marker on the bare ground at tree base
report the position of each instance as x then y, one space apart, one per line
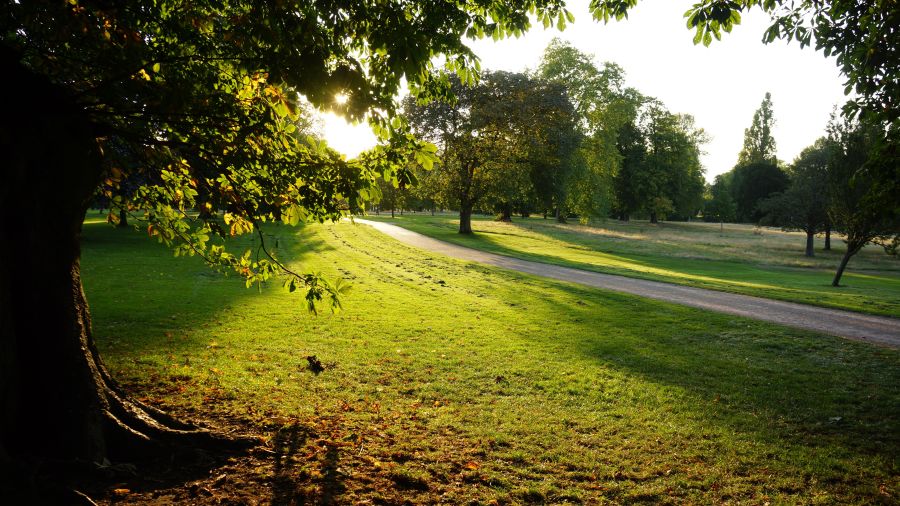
861 327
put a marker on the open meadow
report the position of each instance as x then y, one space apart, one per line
449 382
759 261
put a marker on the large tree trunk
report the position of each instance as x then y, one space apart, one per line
505 213
57 401
654 218
123 218
827 238
810 235
465 219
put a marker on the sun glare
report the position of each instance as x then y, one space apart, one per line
345 137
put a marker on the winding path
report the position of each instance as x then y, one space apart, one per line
873 329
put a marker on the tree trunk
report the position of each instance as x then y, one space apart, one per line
827 238
505 213
123 218
840 271
810 235
653 218
465 219
57 401
392 211
561 215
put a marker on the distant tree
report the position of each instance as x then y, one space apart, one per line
759 145
862 37
718 203
628 182
857 208
392 196
603 105
660 172
503 142
804 205
752 183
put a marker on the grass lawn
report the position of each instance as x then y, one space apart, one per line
743 259
456 383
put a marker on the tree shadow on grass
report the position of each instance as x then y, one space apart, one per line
302 476
777 385
162 303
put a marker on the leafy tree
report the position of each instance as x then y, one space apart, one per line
804 205
502 142
603 105
855 208
206 92
718 205
751 184
759 145
661 172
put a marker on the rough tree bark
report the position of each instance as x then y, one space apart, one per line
57 400
810 236
465 219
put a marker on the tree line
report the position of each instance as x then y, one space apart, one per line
568 140
832 186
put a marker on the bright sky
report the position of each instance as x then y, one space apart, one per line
721 85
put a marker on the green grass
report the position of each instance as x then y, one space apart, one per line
762 262
453 382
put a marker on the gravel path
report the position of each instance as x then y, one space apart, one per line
874 329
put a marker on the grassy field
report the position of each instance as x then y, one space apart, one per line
755 261
449 382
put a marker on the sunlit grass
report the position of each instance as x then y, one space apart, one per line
743 259
452 382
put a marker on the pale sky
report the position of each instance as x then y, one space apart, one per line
721 85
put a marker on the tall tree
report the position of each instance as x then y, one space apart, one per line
718 203
752 183
603 105
804 205
206 92
759 145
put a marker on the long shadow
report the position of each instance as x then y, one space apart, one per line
779 386
291 482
